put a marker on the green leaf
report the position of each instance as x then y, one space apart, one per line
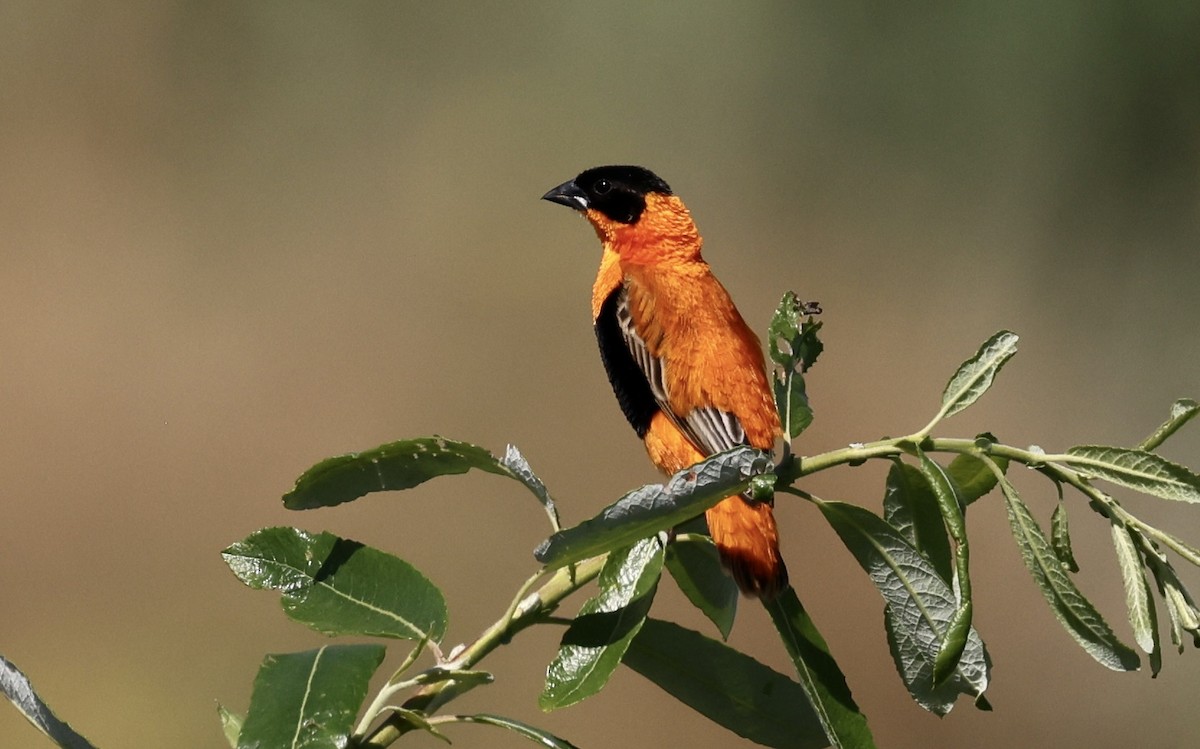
593 645
19 691
403 465
1060 538
696 567
309 700
521 729
951 506
820 677
519 469
728 687
791 399
920 608
972 477
1073 610
655 507
794 348
1183 612
1173 614
420 721
910 507
1136 469
1182 411
1180 606
1137 592
791 338
231 725
948 501
340 587
1155 656
976 374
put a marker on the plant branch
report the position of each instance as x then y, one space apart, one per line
441 685
525 612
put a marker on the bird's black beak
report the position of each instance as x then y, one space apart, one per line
568 194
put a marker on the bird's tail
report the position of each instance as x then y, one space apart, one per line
743 530
745 534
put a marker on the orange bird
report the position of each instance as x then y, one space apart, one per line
687 371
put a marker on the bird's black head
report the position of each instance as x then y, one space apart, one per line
618 192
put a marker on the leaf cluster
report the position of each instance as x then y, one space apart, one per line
915 550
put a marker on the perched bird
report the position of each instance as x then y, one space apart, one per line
687 371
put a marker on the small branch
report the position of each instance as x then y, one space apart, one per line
506 620
941 414
790 470
529 610
380 702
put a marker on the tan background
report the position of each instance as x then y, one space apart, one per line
236 238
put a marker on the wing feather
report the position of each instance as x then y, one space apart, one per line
710 428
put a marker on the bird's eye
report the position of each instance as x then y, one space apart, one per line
602 187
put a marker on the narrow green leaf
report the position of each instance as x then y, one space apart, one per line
920 608
1137 592
1173 613
1073 610
944 492
532 733
309 700
655 507
1182 411
1180 606
976 374
909 506
1189 615
972 477
1189 618
728 687
420 721
1136 469
794 347
459 676
1155 656
953 643
19 691
951 506
1060 538
404 465
231 725
593 645
696 567
820 677
340 587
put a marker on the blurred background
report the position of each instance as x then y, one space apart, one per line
237 238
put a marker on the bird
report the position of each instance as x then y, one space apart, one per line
686 369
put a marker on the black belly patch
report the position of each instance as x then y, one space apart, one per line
628 383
